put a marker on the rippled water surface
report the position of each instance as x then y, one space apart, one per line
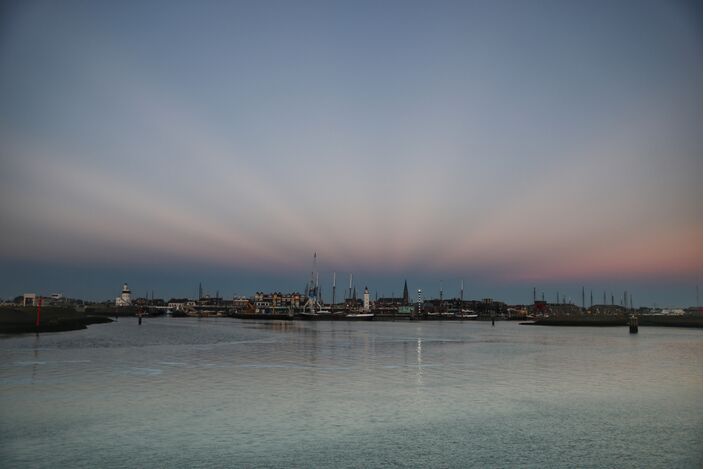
230 393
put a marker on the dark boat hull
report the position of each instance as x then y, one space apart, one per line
281 317
332 317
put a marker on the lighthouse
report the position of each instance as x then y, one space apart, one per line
125 299
366 300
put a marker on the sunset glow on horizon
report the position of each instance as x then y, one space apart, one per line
563 144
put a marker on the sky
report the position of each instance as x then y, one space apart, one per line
506 144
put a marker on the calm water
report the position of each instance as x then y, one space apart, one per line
229 393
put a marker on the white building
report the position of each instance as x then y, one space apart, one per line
125 299
366 300
29 299
177 306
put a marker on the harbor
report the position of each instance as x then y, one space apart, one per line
24 313
36 313
219 392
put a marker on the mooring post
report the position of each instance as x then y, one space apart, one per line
39 312
633 324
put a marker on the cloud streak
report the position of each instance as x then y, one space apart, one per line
370 150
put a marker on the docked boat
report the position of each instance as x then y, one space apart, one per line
315 315
359 317
467 314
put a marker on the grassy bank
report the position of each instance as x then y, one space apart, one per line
22 319
616 321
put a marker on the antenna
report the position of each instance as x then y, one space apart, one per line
333 290
583 297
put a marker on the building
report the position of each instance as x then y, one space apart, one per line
125 298
30 298
276 302
241 303
394 302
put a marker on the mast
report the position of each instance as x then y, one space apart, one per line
313 287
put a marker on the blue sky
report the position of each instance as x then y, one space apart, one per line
511 144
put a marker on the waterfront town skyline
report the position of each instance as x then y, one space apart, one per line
443 289
508 145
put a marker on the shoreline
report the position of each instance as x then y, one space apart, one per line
654 321
22 320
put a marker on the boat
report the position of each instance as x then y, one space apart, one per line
467 314
359 316
313 315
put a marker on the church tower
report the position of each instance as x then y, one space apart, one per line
405 292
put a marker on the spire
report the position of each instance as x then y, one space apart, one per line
405 292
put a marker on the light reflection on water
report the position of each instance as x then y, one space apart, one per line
220 392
